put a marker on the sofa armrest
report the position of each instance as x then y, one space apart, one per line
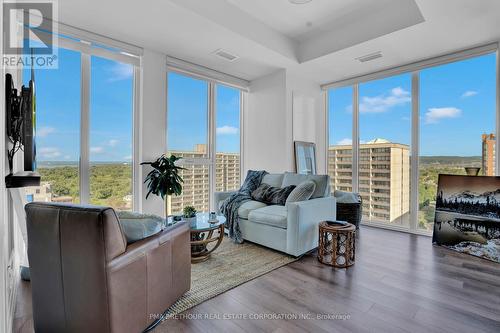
303 220
221 196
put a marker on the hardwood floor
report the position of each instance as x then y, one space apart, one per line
400 283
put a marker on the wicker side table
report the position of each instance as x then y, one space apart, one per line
337 245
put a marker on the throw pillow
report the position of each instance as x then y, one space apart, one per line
138 226
302 192
272 195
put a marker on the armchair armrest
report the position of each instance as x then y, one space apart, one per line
303 220
221 196
151 274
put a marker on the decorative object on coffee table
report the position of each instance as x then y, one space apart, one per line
337 244
189 215
206 236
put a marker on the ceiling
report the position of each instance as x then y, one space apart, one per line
319 40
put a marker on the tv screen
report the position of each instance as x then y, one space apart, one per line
29 113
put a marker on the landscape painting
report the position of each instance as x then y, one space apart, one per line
467 216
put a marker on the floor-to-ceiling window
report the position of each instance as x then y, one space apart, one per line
416 125
188 138
339 152
457 125
384 151
203 128
58 129
84 126
111 129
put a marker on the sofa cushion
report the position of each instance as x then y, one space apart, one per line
248 206
138 226
275 216
272 195
302 192
321 181
273 179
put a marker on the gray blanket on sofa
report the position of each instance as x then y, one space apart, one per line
231 205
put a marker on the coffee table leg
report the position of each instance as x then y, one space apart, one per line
199 251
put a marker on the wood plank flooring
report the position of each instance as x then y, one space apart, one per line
400 283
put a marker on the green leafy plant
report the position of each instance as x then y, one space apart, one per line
164 179
189 211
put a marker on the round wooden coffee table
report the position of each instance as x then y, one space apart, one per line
206 236
337 244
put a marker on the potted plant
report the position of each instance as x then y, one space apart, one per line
164 179
190 215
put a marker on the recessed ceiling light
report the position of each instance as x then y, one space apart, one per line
299 2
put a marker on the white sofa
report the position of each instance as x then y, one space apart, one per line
293 228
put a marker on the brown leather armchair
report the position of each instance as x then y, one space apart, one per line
86 279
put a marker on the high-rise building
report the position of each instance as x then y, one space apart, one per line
196 185
384 178
488 154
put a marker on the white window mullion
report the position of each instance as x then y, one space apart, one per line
84 130
415 151
497 134
211 143
355 138
136 140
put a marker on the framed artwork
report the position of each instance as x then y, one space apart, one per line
305 157
467 218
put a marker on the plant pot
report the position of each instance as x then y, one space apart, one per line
191 221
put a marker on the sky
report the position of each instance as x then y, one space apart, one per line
111 101
457 105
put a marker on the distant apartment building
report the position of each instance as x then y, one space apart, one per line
488 154
384 178
196 186
43 193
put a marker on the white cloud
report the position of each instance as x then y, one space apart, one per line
113 142
382 103
434 115
44 131
128 157
227 130
344 141
121 71
49 152
67 157
469 93
97 150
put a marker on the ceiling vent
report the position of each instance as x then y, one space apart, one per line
370 57
225 55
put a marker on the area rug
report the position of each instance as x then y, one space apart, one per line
229 266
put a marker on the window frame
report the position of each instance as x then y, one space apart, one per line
413 69
87 49
211 159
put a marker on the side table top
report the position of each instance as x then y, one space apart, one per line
347 227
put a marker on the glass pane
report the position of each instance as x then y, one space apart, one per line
385 137
340 138
457 125
227 164
187 117
57 129
187 133
195 189
111 119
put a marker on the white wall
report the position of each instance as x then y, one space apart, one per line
267 135
282 108
306 100
152 123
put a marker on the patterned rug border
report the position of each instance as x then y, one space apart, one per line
188 301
